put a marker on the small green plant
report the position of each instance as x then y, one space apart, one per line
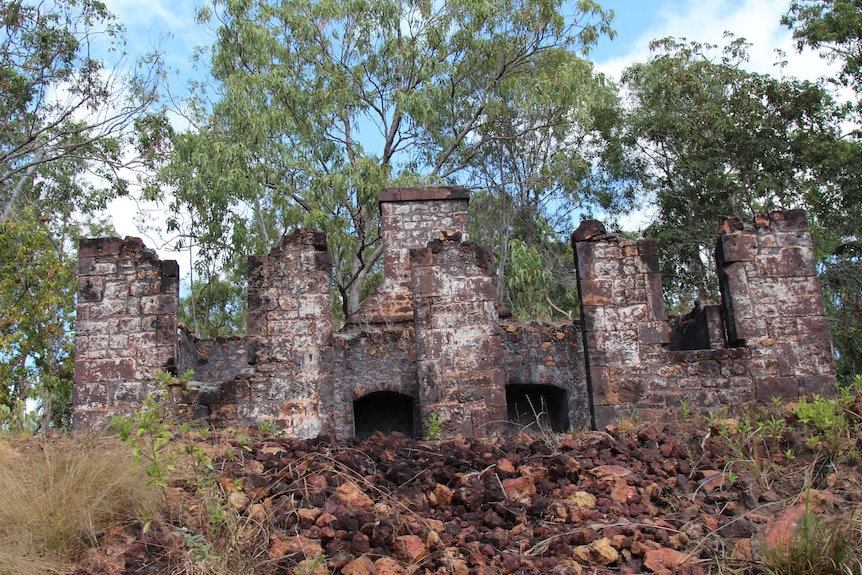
147 434
198 548
828 420
270 429
311 566
435 428
684 409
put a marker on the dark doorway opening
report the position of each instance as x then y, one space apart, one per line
538 407
384 411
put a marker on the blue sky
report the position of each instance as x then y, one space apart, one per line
171 25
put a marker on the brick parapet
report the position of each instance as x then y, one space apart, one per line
773 318
458 347
773 303
125 328
290 330
409 219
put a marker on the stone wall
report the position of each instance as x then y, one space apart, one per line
126 327
771 339
774 305
430 342
409 219
458 349
290 332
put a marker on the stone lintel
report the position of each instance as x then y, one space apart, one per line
423 194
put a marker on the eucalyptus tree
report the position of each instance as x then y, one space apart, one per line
65 118
537 172
317 105
711 140
834 27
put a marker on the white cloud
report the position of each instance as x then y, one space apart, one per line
758 21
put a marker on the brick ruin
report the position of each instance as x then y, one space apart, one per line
431 339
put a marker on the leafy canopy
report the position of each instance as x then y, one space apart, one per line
64 122
709 140
318 105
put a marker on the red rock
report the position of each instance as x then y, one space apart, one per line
665 559
622 492
443 494
296 544
783 529
307 516
599 552
409 548
359 566
353 497
606 471
519 489
582 499
742 550
505 466
388 566
325 519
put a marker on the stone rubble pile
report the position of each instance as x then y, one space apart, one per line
649 500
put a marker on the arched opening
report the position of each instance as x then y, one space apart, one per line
537 406
384 411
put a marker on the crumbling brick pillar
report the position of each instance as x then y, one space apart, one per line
773 303
410 218
458 347
290 325
126 328
623 315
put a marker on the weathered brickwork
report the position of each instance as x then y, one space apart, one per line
776 341
547 357
430 342
290 331
461 377
409 219
126 327
774 304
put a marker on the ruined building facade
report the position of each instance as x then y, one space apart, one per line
430 341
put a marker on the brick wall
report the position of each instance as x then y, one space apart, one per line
774 305
771 340
126 329
430 341
458 348
409 218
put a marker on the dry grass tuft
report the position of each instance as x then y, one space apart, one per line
59 496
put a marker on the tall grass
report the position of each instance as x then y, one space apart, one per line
57 497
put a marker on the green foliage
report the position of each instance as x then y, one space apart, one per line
435 428
528 279
535 280
48 142
841 281
831 421
835 28
755 441
37 291
148 431
64 116
320 105
215 307
708 140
